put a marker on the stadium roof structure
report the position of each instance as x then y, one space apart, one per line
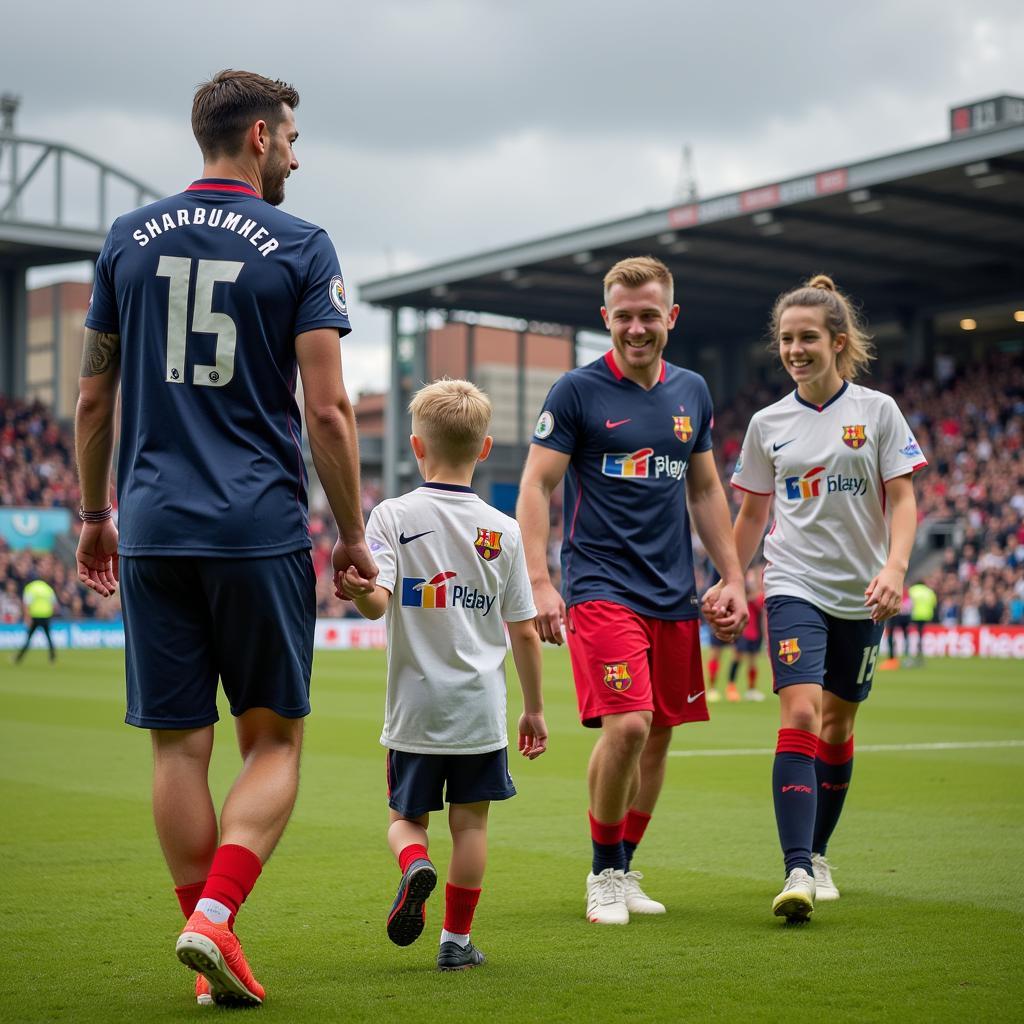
56 204
919 231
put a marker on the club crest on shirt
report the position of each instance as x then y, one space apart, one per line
336 290
487 543
854 436
789 650
683 429
617 677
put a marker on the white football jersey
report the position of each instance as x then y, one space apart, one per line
457 572
826 468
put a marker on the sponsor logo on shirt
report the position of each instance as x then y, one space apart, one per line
854 436
642 464
617 677
487 543
800 488
789 650
419 592
739 462
911 449
682 428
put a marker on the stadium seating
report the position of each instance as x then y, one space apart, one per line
971 427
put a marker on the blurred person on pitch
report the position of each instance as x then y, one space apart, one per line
40 602
206 306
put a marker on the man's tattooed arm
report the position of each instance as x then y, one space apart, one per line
102 352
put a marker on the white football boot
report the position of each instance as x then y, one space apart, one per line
606 897
824 887
796 901
637 901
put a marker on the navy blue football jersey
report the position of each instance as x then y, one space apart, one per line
208 290
626 529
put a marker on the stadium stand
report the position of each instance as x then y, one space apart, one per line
971 500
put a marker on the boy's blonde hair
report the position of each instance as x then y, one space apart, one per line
637 271
452 417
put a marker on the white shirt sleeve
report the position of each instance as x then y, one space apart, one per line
898 450
381 541
517 594
755 471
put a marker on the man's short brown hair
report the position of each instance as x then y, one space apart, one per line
452 417
230 102
636 271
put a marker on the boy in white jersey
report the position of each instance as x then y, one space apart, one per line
837 459
452 571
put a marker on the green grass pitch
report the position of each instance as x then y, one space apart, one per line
928 858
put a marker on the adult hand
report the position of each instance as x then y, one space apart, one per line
533 735
97 557
356 556
884 594
550 612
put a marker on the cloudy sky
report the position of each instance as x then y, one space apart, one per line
434 128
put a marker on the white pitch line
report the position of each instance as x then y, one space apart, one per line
867 748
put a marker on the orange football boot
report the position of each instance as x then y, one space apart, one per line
214 951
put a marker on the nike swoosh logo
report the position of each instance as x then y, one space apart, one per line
617 423
694 696
776 447
402 539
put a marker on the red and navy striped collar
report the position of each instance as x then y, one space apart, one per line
609 358
821 408
222 185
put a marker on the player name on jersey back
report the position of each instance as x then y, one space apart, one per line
214 218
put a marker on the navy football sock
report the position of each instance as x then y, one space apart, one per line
794 789
833 768
606 839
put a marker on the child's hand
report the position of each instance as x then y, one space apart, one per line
533 735
353 585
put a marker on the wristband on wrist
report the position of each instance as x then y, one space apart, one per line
99 516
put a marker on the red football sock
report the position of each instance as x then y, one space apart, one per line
459 905
606 833
752 677
713 670
188 896
636 825
233 873
410 853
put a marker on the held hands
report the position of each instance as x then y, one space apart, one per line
550 612
355 557
353 585
884 594
533 735
725 608
97 557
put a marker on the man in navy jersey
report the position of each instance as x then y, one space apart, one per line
631 434
205 308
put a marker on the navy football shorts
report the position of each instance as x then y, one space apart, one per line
807 645
745 646
416 782
191 620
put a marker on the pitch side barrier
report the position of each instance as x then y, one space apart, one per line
357 634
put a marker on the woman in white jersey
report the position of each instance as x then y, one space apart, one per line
837 459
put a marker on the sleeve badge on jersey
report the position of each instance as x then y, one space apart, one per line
487 544
545 425
617 677
336 290
683 429
912 449
854 436
789 650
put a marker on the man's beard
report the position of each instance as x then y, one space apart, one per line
273 186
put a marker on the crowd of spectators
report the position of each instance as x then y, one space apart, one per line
970 425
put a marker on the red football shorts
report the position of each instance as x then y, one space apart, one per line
623 661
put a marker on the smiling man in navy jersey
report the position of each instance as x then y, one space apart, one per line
632 436
206 307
